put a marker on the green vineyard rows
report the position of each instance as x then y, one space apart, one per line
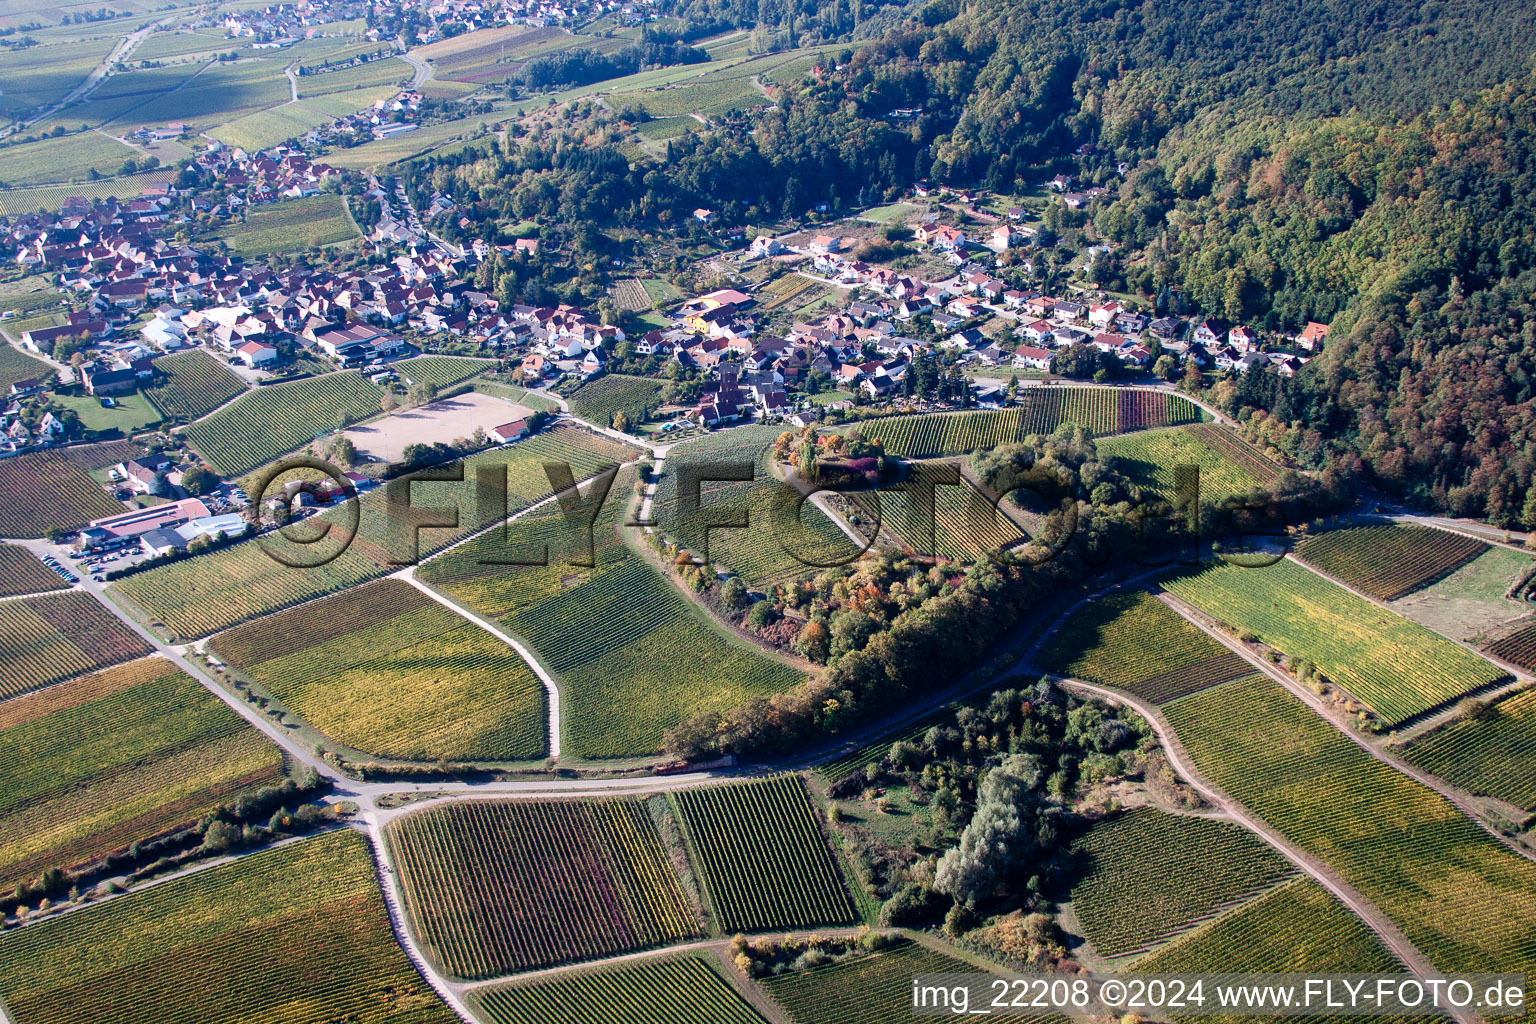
106 760
1396 667
496 887
1462 898
440 371
765 860
1389 561
1492 752
294 935
1131 640
637 397
22 572
1146 874
195 384
274 420
50 638
683 990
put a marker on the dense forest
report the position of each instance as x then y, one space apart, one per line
1364 165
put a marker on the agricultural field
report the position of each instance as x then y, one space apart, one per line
516 395
680 990
1102 410
1466 901
767 550
22 572
192 384
1389 561
1237 449
43 490
42 75
1517 647
496 887
47 639
1491 752
14 202
489 55
1145 875
862 989
69 158
16 365
624 684
195 597
1300 927
386 670
963 525
599 401
92 458
765 860
389 71
1150 460
440 371
276 419
291 226
1474 602
1395 667
1131 640
701 97
293 935
265 128
97 763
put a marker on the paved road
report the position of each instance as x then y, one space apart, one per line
423 70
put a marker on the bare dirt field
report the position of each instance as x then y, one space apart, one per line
443 420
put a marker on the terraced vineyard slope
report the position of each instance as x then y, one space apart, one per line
766 862
1461 897
92 765
1391 560
386 670
496 887
1396 667
295 935
1146 874
1131 640
686 990
1491 751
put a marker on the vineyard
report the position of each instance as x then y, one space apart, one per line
103 761
45 489
1299 927
866 989
1396 667
1237 450
497 887
47 639
1517 648
1465 900
1389 561
16 365
92 457
440 371
192 384
630 295
197 596
295 935
616 640
683 990
1103 411
21 572
1131 640
765 860
1151 461
765 551
963 526
386 670
274 420
1146 875
598 401
1492 752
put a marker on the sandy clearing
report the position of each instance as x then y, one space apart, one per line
442 420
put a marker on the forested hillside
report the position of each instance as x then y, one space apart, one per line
1365 165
